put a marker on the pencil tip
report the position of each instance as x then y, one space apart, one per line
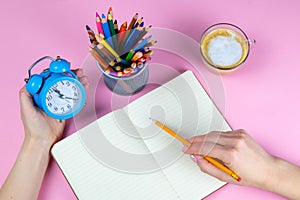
153 120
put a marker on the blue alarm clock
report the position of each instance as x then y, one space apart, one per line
56 90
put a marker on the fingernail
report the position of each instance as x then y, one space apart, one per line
184 148
194 158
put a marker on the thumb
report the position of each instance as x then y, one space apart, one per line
26 101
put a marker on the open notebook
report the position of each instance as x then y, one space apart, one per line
123 155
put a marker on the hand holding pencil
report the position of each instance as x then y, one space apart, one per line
239 153
187 144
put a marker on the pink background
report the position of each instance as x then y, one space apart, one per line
261 97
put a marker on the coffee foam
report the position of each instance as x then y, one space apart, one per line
224 48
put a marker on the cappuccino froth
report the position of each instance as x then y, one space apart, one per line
224 51
224 48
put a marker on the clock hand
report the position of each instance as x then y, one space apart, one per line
71 98
58 92
63 96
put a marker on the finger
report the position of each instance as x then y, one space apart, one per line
209 149
210 169
78 72
223 138
84 81
26 101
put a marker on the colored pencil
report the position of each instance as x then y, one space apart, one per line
111 25
120 60
131 40
106 45
112 31
187 143
105 27
131 70
98 24
133 21
106 30
128 41
129 55
136 56
144 32
122 32
116 27
138 23
126 34
116 36
148 53
110 11
142 43
99 59
140 65
91 35
133 65
151 43
105 52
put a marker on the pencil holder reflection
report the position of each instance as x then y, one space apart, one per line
126 85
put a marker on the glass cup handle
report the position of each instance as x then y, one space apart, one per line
251 42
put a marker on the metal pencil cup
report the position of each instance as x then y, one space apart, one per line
127 85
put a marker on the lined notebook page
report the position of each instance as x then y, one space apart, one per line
123 155
184 106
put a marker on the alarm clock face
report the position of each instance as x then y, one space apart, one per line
64 98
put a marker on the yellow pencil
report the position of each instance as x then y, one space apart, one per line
187 143
106 45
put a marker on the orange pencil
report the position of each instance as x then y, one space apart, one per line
187 143
126 33
121 32
110 12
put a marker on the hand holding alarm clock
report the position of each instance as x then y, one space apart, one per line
56 90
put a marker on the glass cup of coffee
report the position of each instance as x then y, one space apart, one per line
224 47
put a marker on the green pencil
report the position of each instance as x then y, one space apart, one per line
112 29
129 55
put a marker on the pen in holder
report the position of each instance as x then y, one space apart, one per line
121 54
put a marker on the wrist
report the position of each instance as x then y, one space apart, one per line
35 144
281 172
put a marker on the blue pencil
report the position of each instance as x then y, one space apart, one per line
142 43
130 42
106 30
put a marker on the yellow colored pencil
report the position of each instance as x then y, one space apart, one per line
187 143
106 45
